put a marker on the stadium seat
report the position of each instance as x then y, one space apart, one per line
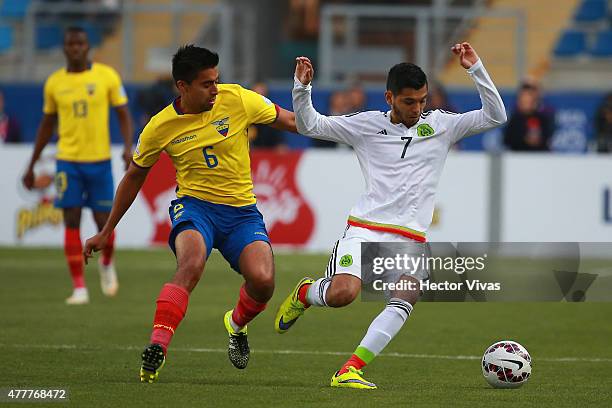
6 38
14 8
48 36
570 44
94 34
603 45
591 10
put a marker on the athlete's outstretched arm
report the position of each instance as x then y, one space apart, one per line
127 131
493 113
128 188
311 123
43 135
284 121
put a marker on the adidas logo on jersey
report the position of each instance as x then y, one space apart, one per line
382 132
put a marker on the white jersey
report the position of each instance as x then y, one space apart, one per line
401 165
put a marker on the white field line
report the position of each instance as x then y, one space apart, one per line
290 352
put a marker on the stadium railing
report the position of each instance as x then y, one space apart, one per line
121 33
419 31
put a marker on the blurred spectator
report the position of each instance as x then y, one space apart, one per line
262 136
340 103
437 98
603 125
531 126
10 132
155 98
357 99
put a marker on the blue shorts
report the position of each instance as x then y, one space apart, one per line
227 228
84 185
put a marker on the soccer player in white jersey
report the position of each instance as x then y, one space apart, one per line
401 153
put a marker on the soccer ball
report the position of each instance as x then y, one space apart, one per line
506 364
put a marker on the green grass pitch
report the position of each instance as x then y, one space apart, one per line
94 350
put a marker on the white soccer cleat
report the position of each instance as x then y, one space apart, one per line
79 296
108 279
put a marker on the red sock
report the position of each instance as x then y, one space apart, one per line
107 252
302 295
171 307
246 309
74 256
353 361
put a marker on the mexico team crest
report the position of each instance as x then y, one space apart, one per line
222 126
424 130
346 260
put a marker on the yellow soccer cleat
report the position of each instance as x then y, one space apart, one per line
291 308
153 359
351 379
238 350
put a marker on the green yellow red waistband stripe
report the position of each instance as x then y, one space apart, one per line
394 229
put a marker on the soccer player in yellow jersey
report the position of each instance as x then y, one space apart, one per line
77 99
204 131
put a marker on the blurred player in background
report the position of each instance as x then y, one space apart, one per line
10 131
77 99
204 131
402 153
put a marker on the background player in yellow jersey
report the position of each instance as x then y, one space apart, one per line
204 131
77 99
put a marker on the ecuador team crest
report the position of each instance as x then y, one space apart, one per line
222 126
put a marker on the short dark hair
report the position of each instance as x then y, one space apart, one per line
189 60
526 86
74 30
405 75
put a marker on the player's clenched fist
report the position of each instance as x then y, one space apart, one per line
467 55
304 70
28 179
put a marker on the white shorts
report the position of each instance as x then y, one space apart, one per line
346 255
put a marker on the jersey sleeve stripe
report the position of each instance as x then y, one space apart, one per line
139 166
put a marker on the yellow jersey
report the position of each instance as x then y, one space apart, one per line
81 101
209 150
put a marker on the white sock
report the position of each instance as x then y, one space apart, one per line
234 325
386 325
316 292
